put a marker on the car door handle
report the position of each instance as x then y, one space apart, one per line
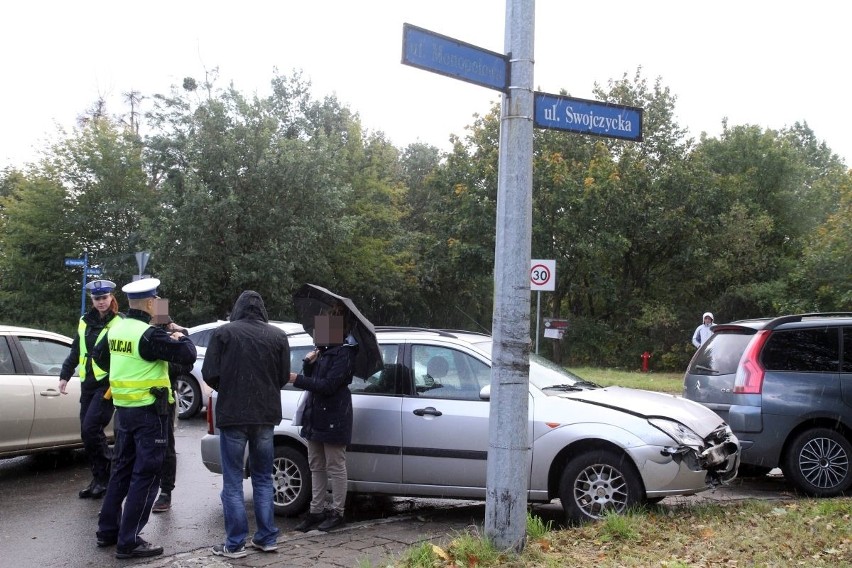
430 410
50 392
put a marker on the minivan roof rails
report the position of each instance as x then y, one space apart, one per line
799 317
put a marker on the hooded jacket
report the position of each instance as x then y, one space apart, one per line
703 331
248 362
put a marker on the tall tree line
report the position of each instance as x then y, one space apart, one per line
230 191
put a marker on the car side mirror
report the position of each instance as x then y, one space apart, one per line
485 392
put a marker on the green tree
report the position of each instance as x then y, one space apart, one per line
253 195
774 189
375 264
88 193
613 215
824 280
37 290
456 212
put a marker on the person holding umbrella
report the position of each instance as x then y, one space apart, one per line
327 418
346 346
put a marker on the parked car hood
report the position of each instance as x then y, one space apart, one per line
649 404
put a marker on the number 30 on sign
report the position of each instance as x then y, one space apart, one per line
543 275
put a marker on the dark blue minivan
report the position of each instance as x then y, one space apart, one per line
784 385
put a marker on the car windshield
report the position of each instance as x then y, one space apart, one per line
546 375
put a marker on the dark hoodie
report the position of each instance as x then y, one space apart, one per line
248 362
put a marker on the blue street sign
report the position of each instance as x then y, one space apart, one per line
453 58
94 272
583 116
75 262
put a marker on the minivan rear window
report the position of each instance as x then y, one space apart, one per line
721 354
808 350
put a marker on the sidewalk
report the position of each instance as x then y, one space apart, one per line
367 543
377 543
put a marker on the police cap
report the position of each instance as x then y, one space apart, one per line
100 287
140 289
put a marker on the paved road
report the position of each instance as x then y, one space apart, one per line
42 523
377 542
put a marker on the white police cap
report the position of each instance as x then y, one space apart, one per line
139 289
100 287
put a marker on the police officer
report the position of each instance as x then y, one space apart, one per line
169 473
137 355
96 408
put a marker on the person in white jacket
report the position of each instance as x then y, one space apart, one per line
703 331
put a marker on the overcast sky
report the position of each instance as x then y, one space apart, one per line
763 62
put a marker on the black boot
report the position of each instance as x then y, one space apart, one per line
87 492
311 521
98 490
332 521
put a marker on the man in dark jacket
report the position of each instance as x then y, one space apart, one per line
247 362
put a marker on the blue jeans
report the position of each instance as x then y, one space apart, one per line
232 444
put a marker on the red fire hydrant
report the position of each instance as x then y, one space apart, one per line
645 357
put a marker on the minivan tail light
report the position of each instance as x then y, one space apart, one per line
750 372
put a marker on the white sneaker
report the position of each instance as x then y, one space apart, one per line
222 550
264 547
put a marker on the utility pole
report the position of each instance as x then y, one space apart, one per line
508 449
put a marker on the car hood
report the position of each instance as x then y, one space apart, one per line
649 404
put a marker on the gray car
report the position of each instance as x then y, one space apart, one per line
785 387
597 449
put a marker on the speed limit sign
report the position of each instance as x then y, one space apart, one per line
543 275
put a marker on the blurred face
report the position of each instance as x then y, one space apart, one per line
708 320
102 303
328 330
160 311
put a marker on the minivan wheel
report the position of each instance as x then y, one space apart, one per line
596 483
291 481
187 397
818 463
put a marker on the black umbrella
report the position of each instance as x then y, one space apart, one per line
311 300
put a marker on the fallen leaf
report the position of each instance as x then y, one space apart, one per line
440 552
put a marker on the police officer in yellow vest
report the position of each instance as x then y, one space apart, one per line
137 355
95 410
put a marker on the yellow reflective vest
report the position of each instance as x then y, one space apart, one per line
84 349
131 376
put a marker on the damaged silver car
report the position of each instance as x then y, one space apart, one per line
595 449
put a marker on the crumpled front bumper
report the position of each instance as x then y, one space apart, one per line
720 456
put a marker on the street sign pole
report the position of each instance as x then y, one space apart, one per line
508 445
83 291
537 319
522 109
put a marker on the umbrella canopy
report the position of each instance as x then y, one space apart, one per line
311 300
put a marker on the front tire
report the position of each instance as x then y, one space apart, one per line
187 397
818 463
291 481
599 482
